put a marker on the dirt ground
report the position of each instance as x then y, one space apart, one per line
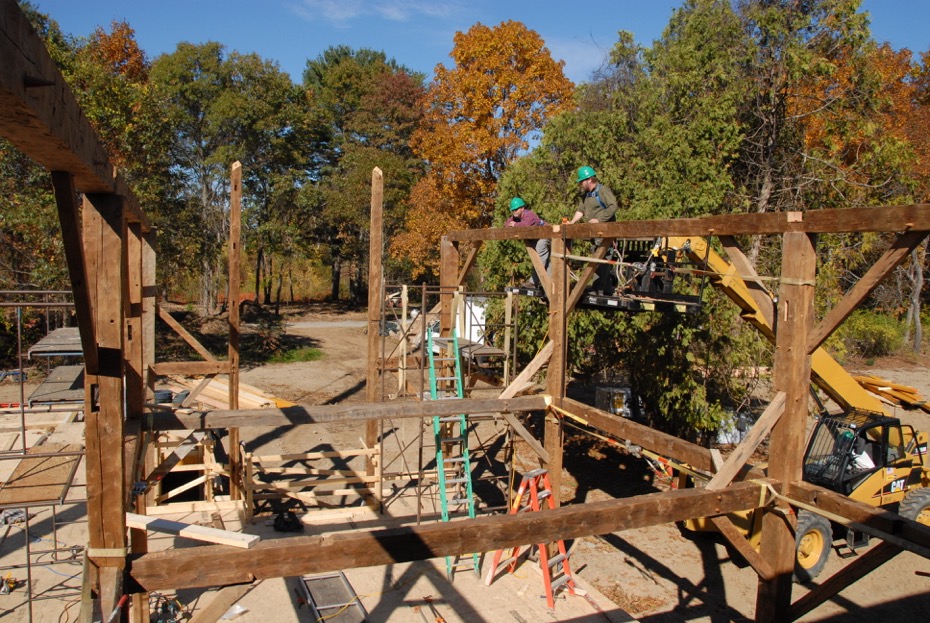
658 574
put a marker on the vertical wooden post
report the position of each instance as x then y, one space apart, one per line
104 428
448 283
232 304
375 301
149 296
794 321
135 345
555 376
134 337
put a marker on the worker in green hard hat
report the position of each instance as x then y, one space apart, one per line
597 205
522 216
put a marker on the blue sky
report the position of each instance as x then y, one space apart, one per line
417 33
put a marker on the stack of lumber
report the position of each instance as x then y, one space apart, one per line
216 394
902 395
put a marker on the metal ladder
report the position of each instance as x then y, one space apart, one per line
534 488
453 464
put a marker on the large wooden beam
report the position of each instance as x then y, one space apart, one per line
914 217
853 572
375 306
41 117
558 362
67 201
878 522
448 283
786 447
649 438
104 418
291 416
190 368
219 566
900 249
232 303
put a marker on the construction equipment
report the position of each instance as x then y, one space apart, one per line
556 572
330 595
860 451
453 462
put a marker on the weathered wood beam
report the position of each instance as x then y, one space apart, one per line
553 431
541 358
900 249
185 335
232 303
290 416
877 522
374 379
41 117
468 263
737 539
544 280
748 445
853 572
190 368
577 291
104 230
792 373
749 278
219 566
448 283
67 201
913 217
649 438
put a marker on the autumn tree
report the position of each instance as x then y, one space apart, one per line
481 113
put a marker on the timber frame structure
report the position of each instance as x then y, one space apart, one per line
110 253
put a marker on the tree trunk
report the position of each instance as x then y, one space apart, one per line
259 258
337 277
918 256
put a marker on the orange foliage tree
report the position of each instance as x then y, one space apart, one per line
480 115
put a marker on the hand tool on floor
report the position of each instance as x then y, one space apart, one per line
422 614
429 602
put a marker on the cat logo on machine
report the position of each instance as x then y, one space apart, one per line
897 486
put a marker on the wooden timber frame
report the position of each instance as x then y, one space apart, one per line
109 245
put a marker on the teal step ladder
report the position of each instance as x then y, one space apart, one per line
453 464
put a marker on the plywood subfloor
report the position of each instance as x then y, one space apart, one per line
41 479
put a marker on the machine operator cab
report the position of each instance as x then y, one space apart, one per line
867 456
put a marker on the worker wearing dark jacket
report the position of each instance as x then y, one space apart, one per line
597 205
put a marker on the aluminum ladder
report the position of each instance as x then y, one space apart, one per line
453 465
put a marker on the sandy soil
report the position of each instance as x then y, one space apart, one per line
659 574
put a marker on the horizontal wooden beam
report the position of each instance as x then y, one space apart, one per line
877 522
914 217
221 566
41 117
290 416
190 368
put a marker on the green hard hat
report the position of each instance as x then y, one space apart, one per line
585 173
516 203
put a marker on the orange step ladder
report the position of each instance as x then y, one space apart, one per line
555 570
